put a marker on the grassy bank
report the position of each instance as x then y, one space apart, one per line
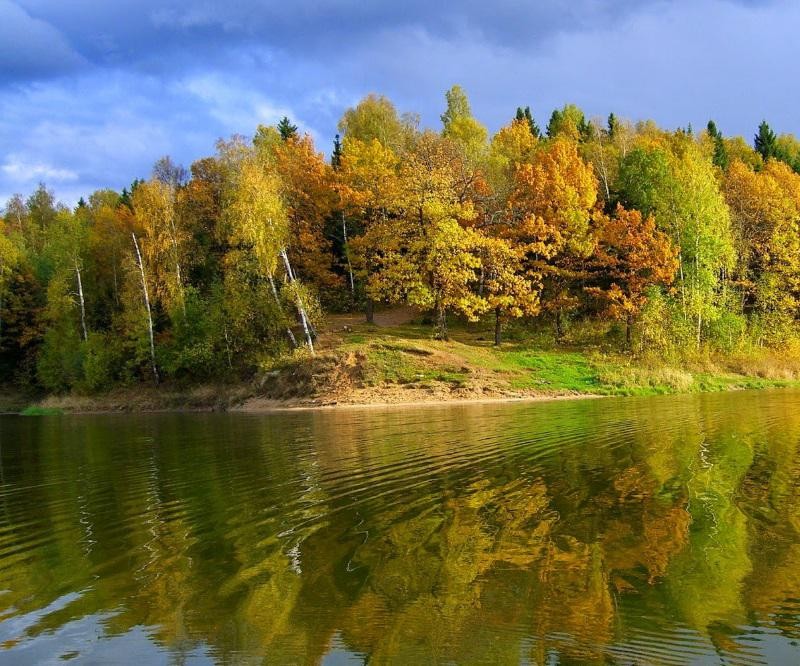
398 361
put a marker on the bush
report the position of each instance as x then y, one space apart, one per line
103 360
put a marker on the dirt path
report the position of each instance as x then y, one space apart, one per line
383 319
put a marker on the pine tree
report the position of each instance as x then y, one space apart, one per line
720 157
532 123
525 114
286 129
613 125
336 155
765 141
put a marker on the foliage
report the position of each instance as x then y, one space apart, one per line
690 243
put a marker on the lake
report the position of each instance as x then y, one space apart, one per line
634 531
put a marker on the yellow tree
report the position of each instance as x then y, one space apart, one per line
428 255
549 213
308 192
507 288
162 243
375 117
260 221
9 256
765 207
368 186
461 126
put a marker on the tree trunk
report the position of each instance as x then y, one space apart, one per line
301 310
81 301
498 327
347 257
116 286
559 325
178 277
228 346
441 322
629 331
289 333
370 312
147 306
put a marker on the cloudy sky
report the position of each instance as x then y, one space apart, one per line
92 93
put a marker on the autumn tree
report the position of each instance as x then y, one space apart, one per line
9 256
375 117
259 219
510 291
526 115
369 190
59 363
549 215
569 122
631 256
307 190
765 210
429 255
461 126
163 242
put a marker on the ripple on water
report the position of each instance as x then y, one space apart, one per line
656 531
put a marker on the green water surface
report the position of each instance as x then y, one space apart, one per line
633 531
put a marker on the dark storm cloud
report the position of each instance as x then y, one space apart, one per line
94 92
157 33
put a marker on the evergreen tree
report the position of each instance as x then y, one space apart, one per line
336 155
554 123
286 129
526 115
720 157
613 125
532 123
765 141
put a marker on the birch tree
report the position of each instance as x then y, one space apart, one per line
259 220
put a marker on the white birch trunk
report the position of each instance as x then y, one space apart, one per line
347 256
147 306
301 310
81 301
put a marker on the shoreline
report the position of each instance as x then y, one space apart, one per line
267 406
149 402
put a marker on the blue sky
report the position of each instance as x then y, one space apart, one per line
93 93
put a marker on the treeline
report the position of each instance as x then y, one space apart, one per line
689 240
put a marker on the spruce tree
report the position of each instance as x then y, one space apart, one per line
286 129
765 141
532 123
613 125
720 157
336 155
526 115
554 123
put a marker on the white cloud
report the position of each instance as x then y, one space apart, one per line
19 170
233 103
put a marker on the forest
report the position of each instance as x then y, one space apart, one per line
682 243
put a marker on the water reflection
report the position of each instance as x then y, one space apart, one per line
660 530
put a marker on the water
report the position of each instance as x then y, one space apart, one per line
631 531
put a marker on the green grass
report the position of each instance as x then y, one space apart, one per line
41 411
532 361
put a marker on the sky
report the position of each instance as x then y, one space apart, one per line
93 93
